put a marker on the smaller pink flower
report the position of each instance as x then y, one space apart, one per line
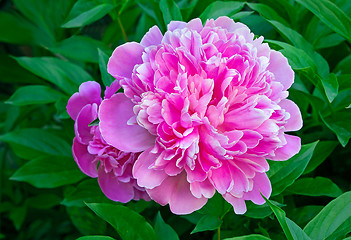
94 156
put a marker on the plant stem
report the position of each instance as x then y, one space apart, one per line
219 233
122 28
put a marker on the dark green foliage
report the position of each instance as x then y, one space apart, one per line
49 47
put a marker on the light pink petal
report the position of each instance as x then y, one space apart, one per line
112 89
113 188
295 121
279 66
195 24
173 25
176 192
237 203
228 23
89 92
204 188
84 159
114 114
124 58
291 148
146 176
152 37
222 178
87 115
261 184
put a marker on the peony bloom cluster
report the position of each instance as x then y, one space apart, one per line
203 108
90 150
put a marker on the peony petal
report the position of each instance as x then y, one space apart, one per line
84 159
291 148
261 185
173 25
295 121
279 66
113 188
114 114
176 192
146 176
112 89
124 58
195 24
152 37
229 24
89 92
237 203
87 115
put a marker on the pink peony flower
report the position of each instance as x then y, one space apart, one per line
207 106
90 149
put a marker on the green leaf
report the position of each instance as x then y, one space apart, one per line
220 8
15 29
296 231
331 86
331 15
170 11
86 221
163 230
321 152
95 238
86 191
284 173
260 211
216 206
43 201
291 230
107 79
300 42
129 224
328 41
63 74
80 48
267 12
249 237
338 122
207 222
18 215
35 94
49 172
32 142
343 66
303 215
318 186
334 221
87 11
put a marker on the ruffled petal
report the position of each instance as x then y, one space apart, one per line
145 175
237 203
291 148
114 114
124 58
176 192
279 66
295 121
152 37
87 115
84 159
113 188
261 185
89 92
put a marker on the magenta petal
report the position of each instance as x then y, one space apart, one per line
279 66
261 185
124 58
295 121
176 191
152 37
146 176
114 114
89 92
84 159
112 89
81 126
291 148
237 203
113 188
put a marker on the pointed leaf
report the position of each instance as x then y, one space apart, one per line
318 186
220 8
107 79
163 230
170 11
129 224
